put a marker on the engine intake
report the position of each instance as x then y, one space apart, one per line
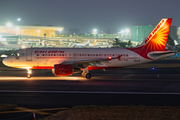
63 70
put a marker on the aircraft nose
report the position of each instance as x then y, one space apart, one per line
5 61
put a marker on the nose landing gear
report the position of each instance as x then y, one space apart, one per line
29 71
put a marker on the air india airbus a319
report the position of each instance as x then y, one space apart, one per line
66 61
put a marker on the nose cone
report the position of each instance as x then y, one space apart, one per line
5 61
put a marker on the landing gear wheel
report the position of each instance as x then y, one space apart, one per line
88 75
28 75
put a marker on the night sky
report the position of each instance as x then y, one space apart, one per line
89 14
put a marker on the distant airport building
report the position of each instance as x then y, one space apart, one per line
74 31
178 32
173 32
15 34
40 31
139 33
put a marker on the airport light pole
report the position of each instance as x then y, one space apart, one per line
19 20
122 31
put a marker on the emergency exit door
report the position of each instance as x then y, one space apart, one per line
28 55
136 56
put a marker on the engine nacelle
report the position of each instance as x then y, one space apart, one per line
63 70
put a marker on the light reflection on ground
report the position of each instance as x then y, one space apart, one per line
43 78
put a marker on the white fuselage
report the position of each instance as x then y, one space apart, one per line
46 58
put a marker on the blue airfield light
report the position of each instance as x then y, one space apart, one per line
153 68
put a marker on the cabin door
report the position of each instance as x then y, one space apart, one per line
136 56
28 55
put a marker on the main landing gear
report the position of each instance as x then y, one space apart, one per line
29 71
86 73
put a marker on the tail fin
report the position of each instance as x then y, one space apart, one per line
156 41
95 42
87 44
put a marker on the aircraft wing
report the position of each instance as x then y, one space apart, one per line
89 61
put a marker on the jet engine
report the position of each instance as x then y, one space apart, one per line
63 70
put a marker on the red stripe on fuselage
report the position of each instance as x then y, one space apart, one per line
90 67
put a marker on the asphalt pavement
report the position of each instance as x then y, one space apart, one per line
126 86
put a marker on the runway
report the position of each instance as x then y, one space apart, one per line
127 86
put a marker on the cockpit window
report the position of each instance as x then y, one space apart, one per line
15 54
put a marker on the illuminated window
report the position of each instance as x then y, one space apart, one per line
85 54
108 55
52 54
45 54
93 54
82 54
104 55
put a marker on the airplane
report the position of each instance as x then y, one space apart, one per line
80 45
66 61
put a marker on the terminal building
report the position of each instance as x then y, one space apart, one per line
15 34
139 33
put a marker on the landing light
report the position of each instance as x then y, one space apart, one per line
3 55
